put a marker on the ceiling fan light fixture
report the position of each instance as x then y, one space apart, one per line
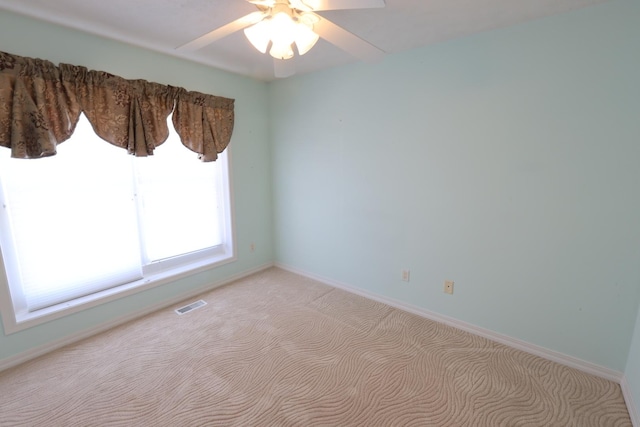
282 36
282 30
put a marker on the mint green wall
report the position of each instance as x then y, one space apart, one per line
506 161
249 149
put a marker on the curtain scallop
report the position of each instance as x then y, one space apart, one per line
40 104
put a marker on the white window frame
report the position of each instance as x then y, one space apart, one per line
155 274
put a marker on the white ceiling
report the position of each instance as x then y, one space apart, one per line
162 25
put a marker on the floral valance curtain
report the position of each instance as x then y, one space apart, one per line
40 104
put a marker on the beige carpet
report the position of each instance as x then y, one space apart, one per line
280 350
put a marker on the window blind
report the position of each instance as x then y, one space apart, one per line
79 235
181 202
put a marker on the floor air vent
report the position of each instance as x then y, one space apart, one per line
190 307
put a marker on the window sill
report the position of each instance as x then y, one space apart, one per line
18 321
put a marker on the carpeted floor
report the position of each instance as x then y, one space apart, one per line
277 349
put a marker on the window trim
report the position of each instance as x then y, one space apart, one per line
223 254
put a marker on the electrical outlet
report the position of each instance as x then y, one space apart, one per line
448 287
406 274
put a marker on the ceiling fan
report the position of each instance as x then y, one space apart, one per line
281 24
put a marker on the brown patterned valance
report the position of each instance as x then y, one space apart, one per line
40 104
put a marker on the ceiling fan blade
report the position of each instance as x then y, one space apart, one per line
283 68
342 4
347 41
225 30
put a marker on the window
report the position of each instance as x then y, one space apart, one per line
93 222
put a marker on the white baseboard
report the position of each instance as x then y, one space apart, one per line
30 354
563 359
631 404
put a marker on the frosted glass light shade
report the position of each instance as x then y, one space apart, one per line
305 38
259 35
281 51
